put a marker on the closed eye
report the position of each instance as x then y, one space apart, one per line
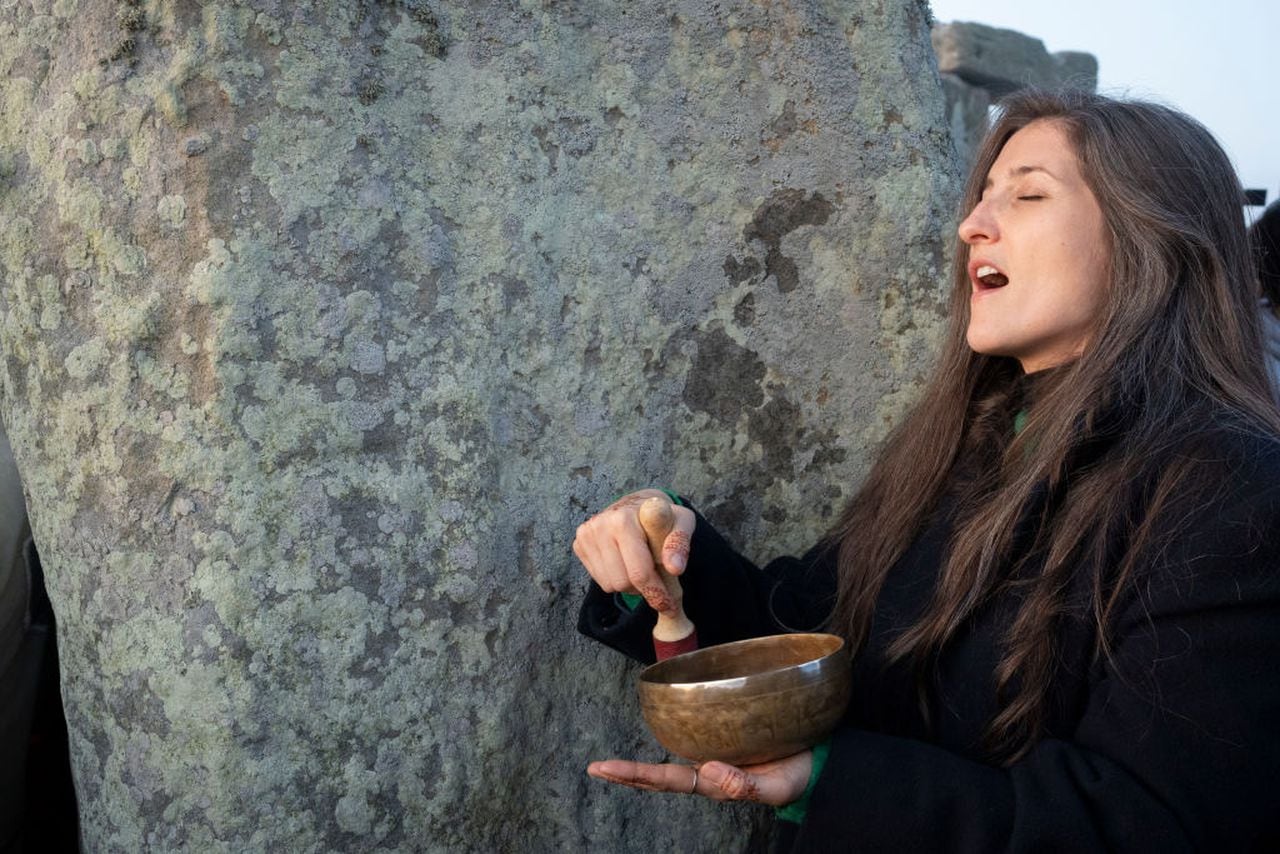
1030 198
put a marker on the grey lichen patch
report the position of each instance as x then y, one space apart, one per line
126 259
172 210
113 148
271 28
87 151
367 357
353 811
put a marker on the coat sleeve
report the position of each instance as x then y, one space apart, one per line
1178 748
726 596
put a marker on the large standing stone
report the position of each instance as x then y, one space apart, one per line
324 324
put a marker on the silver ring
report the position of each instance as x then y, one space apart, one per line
693 790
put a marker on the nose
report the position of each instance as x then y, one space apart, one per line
979 226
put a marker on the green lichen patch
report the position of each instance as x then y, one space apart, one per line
172 210
87 359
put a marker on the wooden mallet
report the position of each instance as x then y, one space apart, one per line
674 634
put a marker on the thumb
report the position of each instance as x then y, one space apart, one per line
675 548
733 783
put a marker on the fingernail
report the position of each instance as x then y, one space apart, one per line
677 562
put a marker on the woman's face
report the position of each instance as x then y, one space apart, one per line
1037 253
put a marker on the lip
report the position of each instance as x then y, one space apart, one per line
979 288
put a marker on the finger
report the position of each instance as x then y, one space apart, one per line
730 783
584 546
634 551
642 775
675 549
602 563
632 501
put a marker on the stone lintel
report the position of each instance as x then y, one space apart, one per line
1002 61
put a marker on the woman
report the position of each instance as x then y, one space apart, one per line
1061 578
1265 235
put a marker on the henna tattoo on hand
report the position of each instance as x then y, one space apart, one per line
740 786
657 597
626 502
634 784
677 543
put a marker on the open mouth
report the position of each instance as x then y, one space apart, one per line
988 278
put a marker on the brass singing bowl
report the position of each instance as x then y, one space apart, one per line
748 702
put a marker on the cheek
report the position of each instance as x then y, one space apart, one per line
1080 267
1075 302
1094 259
1092 283
1073 316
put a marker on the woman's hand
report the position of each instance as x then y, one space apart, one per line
613 548
776 783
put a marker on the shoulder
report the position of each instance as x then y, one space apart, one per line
1229 462
1212 526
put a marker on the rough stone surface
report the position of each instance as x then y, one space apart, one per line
324 323
967 109
1002 61
1078 69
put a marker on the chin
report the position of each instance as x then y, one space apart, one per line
988 349
982 346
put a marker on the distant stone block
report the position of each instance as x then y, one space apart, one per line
1003 61
1077 69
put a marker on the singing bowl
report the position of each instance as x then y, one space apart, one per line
747 702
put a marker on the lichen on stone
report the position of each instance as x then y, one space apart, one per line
309 408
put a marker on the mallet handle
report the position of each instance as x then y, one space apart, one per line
674 634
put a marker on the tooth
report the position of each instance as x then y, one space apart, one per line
986 270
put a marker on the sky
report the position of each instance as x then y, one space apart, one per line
1219 61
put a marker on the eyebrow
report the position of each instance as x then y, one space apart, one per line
1022 170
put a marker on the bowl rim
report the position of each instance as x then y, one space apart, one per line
646 675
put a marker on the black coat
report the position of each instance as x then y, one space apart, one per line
1172 745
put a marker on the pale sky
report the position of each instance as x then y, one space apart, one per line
1218 61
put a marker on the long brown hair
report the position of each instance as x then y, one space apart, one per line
1178 345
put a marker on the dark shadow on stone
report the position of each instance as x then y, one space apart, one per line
50 822
783 212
